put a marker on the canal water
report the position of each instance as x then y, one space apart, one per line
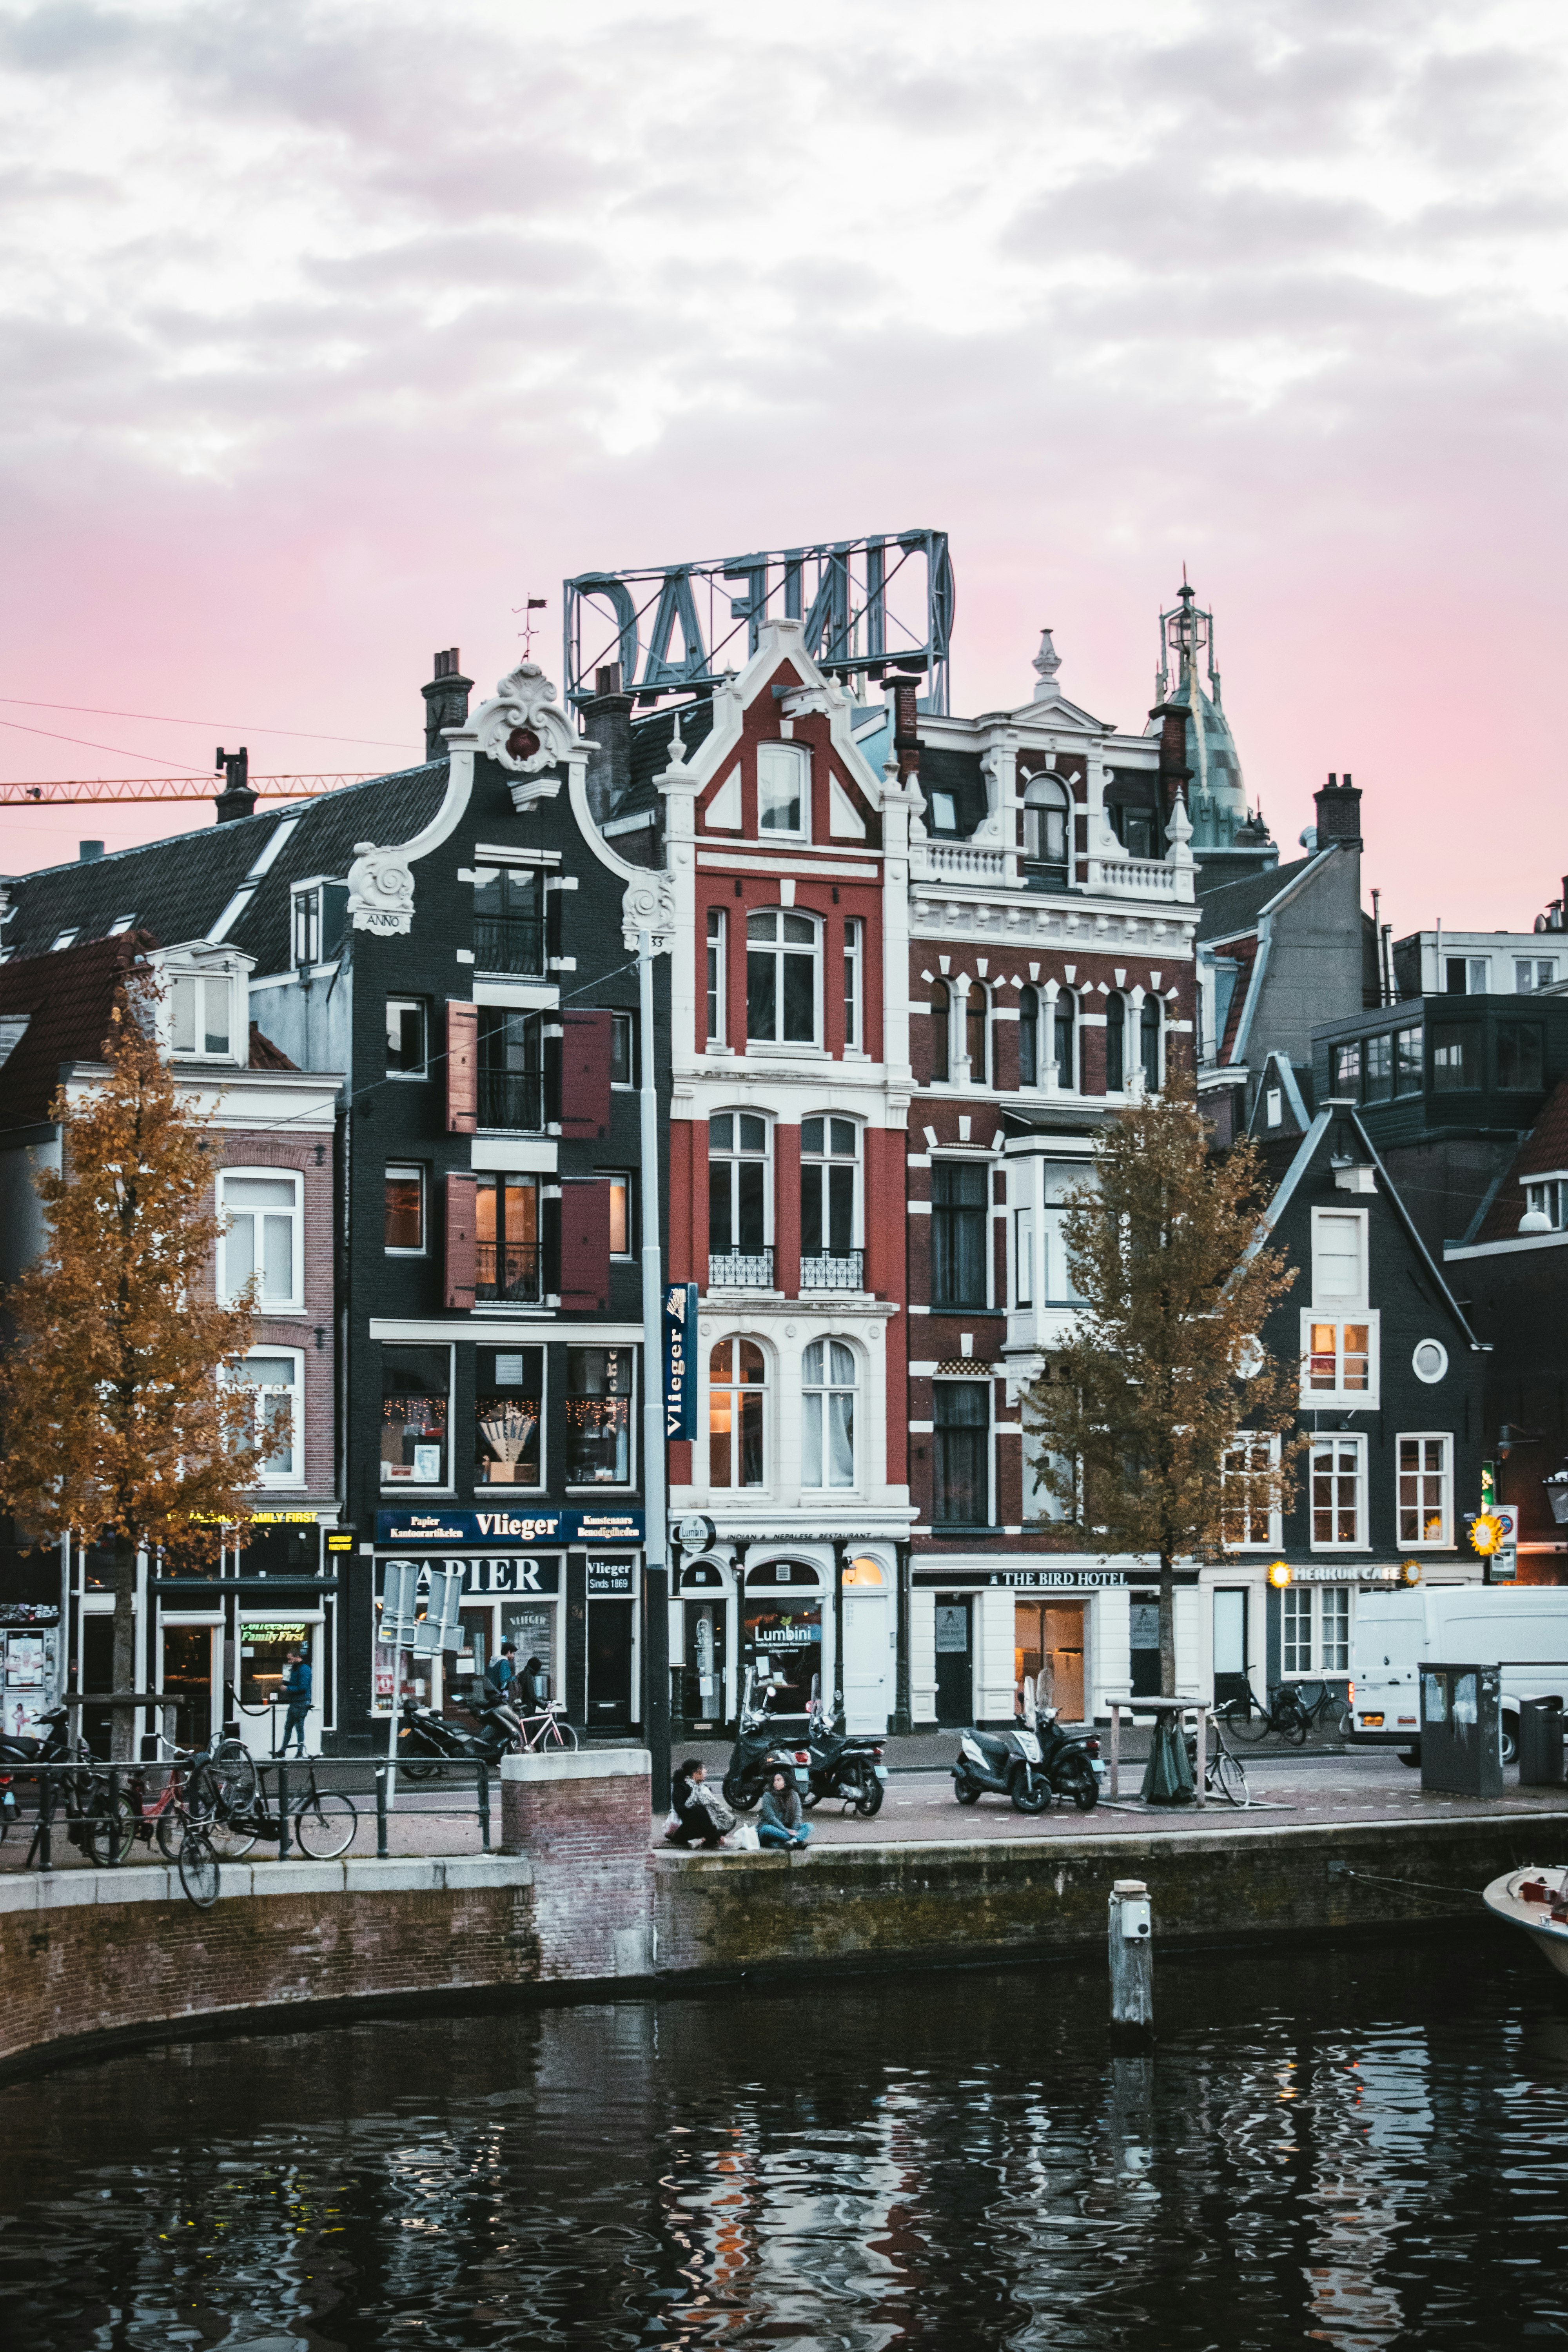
1366 2146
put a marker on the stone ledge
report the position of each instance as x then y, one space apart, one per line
69 1890
588 1764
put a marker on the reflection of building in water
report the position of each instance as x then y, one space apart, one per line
1368 2128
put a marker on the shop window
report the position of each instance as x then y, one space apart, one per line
959 1231
508 924
783 776
599 1386
1518 1058
1456 1062
782 951
1315 1630
737 1392
260 1240
853 935
509 1414
829 1259
827 1414
1425 1491
407 1035
415 1394
506 1239
1115 1045
960 1489
406 1211
976 1032
275 1379
1408 1060
716 977
1337 1479
1251 1522
739 1254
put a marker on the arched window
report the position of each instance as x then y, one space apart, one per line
1115 1045
1046 809
783 775
829 1259
1029 1038
1064 1028
1149 1043
827 1414
941 1032
976 1025
737 1222
737 1393
782 990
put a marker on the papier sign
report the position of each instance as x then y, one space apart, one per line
680 1359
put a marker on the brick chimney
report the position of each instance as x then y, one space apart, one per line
1338 813
905 692
236 799
1174 773
445 701
607 722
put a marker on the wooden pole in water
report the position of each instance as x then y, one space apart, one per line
1132 1942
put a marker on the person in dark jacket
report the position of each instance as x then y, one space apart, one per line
780 1819
296 1689
697 1823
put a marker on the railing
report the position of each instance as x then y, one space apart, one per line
510 943
1140 877
508 1270
512 1098
963 863
833 1270
741 1270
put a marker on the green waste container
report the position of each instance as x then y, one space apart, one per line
1168 1775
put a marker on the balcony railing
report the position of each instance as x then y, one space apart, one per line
741 1270
833 1270
963 863
510 943
512 1098
508 1270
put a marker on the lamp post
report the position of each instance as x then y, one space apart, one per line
656 1553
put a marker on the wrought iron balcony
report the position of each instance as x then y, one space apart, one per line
512 1098
508 1270
510 943
833 1270
741 1270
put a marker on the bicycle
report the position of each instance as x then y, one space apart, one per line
1331 1708
323 1823
210 1786
552 1731
1284 1716
1222 1773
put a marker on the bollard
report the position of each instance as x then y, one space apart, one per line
282 1812
381 1813
485 1805
1131 1939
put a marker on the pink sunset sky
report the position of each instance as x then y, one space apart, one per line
334 328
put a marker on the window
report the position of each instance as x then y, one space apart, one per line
620 1215
942 1034
508 1413
961 1486
1149 1043
1377 1075
1315 1629
406 1209
1339 1258
1024 1257
599 1416
1347 1070
1467 976
737 1376
276 1381
943 812
1429 1361
415 1396
1115 1045
1045 812
1134 828
1064 1034
959 1232
511 1069
1296 1629
1338 1483
623 1050
853 934
407 1031
509 922
202 1016
506 1239
1530 973
1425 1498
1519 1056
1342 1360
827 1414
782 775
261 1209
1549 1201
1455 1063
737 1199
1252 1523
715 976
1407 1061
1029 1038
64 938
977 1023
781 977
828 1258
307 907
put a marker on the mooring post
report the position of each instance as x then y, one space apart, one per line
1132 1956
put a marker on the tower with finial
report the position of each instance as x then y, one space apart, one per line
1228 840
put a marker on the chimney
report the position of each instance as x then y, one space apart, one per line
88 853
906 723
1338 813
1175 773
607 722
236 799
445 701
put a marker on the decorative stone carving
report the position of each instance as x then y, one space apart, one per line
649 906
523 729
381 890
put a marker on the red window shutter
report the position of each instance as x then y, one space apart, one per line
586 1247
585 1076
462 1068
459 1241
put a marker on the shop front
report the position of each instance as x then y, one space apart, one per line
781 1633
979 1633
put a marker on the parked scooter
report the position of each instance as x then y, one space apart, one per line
55 1748
1028 1764
844 1766
762 1742
427 1741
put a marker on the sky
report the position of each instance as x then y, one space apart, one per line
333 330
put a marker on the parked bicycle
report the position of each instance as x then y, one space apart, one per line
1222 1773
1329 1711
1284 1716
549 1728
322 1823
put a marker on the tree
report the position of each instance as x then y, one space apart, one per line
1165 1366
118 1420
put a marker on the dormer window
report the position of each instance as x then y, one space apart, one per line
64 939
318 910
202 1015
781 778
943 812
1045 812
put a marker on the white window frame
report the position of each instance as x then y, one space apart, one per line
1340 1396
1443 1541
734 1157
1532 966
715 976
778 950
1024 1257
236 1054
1548 1194
401 1168
817 1392
417 1487
854 965
276 1472
227 1289
1324 1442
798 756
954 1380
1340 1302
1319 1603
735 1387
826 1159
1273 1534
629 1021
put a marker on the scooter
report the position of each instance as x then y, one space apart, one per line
760 1744
1028 1764
843 1767
427 1736
55 1748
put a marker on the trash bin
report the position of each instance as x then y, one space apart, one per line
1462 1731
1540 1743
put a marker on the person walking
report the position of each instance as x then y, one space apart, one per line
296 1690
503 1670
780 1819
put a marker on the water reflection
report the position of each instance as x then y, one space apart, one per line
1358 2150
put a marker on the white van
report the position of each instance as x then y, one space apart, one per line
1524 1628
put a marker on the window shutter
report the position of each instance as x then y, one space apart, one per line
585 1076
586 1247
462 1068
459 1258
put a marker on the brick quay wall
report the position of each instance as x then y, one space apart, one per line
580 1908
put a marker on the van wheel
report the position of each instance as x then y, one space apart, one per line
1508 1740
1410 1756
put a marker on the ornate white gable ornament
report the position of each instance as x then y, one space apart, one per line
525 731
381 889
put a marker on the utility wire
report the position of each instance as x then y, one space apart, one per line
162 718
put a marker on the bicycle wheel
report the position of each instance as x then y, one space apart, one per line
199 1874
232 1840
1245 1719
560 1734
1226 1775
109 1832
1292 1721
325 1824
232 1769
172 1824
1345 1722
202 1797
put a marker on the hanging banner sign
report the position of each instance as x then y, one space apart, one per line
524 1526
679 1360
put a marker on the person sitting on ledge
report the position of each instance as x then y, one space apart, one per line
700 1815
780 1820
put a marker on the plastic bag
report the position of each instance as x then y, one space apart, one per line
745 1839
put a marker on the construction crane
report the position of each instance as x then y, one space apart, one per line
71 794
